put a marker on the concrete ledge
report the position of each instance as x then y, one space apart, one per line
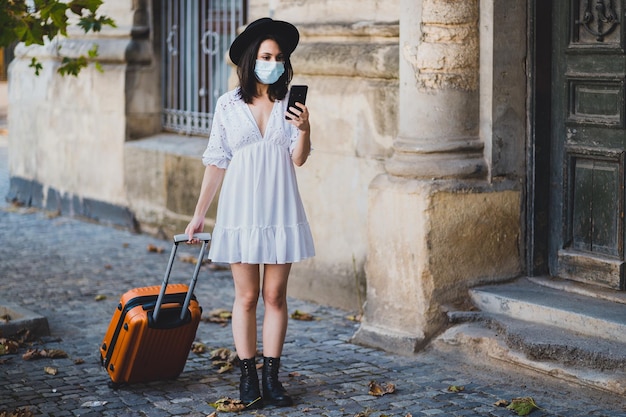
163 175
389 341
20 318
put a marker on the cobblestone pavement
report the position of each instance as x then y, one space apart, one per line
56 266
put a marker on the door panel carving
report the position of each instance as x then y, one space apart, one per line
597 21
596 201
597 102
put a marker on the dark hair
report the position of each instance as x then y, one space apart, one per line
248 80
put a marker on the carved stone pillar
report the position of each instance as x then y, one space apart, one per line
435 225
439 102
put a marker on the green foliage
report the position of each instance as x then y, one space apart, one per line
32 22
36 65
523 406
73 66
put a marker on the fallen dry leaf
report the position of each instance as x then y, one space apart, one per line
43 353
79 361
228 405
18 412
155 249
223 366
522 406
219 316
300 315
224 359
189 259
50 370
31 354
198 348
54 353
353 317
378 390
223 354
456 388
501 403
8 346
100 297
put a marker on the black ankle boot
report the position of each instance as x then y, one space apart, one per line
273 391
249 392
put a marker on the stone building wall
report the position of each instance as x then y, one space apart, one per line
67 134
418 116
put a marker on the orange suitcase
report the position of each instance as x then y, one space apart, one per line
153 328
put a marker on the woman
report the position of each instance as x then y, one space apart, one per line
260 217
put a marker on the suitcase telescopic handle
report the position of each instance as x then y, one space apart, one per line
205 238
183 237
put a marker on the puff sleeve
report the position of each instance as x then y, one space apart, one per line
218 151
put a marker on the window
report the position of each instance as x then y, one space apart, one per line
196 38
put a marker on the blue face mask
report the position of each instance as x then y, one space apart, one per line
268 72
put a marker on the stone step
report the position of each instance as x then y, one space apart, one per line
530 301
565 330
485 344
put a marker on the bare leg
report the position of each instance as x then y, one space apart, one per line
274 328
275 299
247 284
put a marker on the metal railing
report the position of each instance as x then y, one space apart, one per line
197 35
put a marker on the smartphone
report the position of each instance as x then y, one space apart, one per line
297 93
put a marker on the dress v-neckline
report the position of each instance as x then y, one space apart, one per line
269 119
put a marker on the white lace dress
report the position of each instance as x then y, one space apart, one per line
260 217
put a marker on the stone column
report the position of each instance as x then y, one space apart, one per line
432 227
438 114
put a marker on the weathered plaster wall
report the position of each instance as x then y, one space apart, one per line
67 134
352 73
325 11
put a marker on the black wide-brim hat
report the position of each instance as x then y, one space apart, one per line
286 32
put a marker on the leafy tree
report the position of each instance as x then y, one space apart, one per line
35 21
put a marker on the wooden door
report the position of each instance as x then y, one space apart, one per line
588 141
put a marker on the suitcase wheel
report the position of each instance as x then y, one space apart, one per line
114 385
